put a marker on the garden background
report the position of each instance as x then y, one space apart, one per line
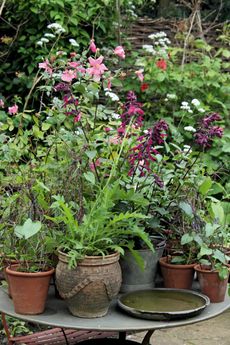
182 82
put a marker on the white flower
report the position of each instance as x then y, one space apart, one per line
115 116
148 48
184 103
112 95
187 149
47 34
73 42
195 102
57 28
190 129
166 99
45 40
201 110
40 43
171 96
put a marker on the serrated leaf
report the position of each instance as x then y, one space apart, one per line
28 229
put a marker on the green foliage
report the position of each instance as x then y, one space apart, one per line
25 23
102 230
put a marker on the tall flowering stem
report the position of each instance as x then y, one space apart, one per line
144 153
132 110
207 131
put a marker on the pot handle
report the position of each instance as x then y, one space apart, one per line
84 283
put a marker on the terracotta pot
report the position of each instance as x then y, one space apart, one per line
89 288
176 276
29 290
8 263
211 284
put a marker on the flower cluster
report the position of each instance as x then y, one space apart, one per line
132 113
195 103
144 153
207 131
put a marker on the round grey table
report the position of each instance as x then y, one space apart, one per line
57 315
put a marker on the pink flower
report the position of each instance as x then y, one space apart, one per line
74 64
97 68
77 118
109 85
140 75
1 103
68 75
13 110
107 129
46 66
92 165
119 51
92 46
115 140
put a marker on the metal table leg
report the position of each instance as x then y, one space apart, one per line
147 337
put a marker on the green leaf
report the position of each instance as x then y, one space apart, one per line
91 154
218 212
209 229
184 206
46 126
89 176
186 238
205 186
220 256
205 251
28 229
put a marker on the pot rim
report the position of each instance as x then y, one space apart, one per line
163 263
10 270
88 259
199 268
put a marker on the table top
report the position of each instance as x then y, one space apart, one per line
57 315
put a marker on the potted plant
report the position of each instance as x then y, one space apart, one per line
212 267
88 274
29 278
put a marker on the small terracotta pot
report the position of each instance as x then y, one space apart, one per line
29 290
176 276
211 284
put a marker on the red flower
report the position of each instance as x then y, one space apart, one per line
144 86
162 64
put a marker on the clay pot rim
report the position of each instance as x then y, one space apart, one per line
11 271
199 268
163 262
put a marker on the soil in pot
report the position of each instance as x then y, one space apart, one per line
176 276
210 284
89 288
29 290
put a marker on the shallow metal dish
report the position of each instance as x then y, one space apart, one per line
163 304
